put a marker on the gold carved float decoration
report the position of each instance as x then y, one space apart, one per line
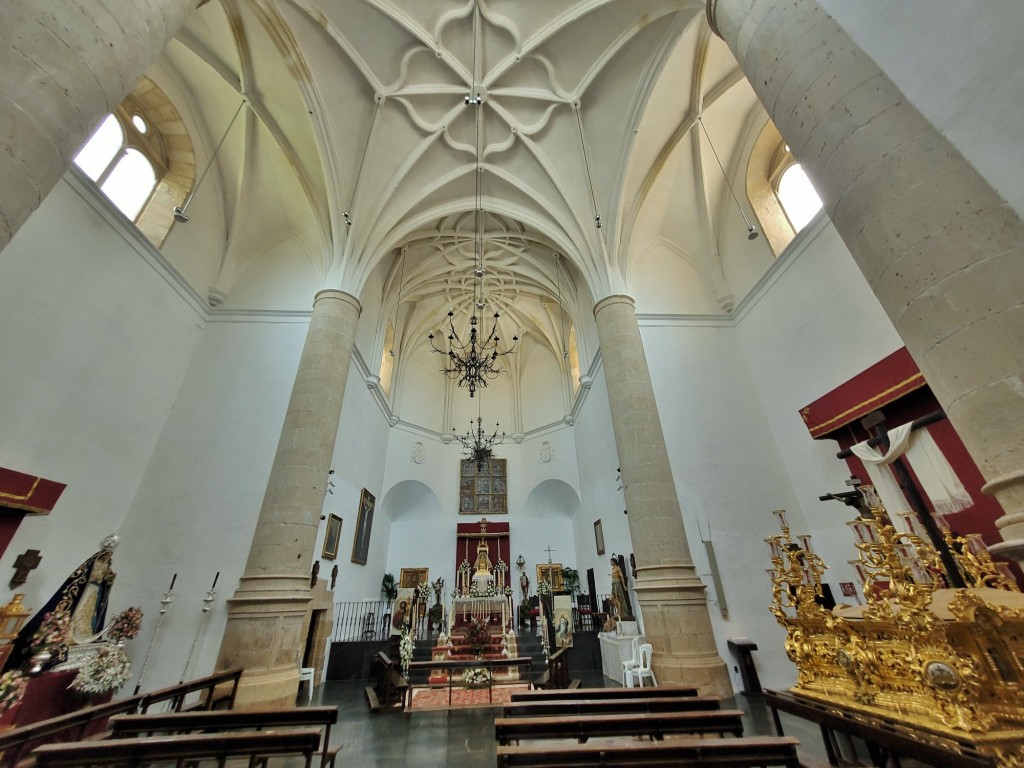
948 663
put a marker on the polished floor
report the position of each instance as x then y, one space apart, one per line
465 738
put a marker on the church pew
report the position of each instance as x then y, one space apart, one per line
746 752
74 726
191 747
219 688
126 726
605 693
574 707
655 725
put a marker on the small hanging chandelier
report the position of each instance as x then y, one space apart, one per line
478 446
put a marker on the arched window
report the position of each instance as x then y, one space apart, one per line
142 159
782 196
387 359
122 161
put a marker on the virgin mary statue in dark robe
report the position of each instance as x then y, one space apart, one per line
84 595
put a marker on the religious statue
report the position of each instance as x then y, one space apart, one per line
438 587
314 575
524 586
483 560
83 595
334 575
620 598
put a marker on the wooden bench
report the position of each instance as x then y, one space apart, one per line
391 686
723 721
557 675
576 707
127 726
605 693
74 726
756 752
191 747
218 689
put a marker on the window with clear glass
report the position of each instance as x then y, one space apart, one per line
799 200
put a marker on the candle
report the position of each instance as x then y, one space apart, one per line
781 515
215 580
173 579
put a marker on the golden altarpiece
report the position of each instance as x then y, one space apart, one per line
948 662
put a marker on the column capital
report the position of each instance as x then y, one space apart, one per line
710 9
615 298
338 295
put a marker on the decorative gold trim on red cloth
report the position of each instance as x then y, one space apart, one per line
28 493
882 383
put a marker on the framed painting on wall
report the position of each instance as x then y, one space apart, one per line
413 577
331 537
361 542
599 536
552 574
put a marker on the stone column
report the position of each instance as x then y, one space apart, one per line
266 613
671 596
65 66
939 247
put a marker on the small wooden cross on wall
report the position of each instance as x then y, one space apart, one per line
549 550
28 561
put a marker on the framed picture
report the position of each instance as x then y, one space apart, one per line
599 536
332 537
413 577
361 542
552 574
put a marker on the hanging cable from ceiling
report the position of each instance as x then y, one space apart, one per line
378 103
751 229
181 213
561 316
586 162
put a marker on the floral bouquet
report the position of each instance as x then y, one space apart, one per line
424 592
476 677
508 592
54 632
406 646
126 625
106 670
478 637
12 688
544 587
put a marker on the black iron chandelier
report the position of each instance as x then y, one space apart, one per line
478 446
472 362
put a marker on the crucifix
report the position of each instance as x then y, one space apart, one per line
28 561
549 550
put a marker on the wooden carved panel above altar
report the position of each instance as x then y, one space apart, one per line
483 488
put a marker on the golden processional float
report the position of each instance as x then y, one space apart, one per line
949 662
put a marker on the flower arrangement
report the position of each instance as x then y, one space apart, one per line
12 688
544 587
406 646
477 636
501 567
126 625
424 593
489 591
508 591
465 567
105 670
53 633
475 677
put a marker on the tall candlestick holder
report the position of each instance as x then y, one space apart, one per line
165 604
211 595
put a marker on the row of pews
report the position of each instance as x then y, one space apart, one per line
198 724
532 722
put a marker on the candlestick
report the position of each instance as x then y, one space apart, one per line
165 604
211 594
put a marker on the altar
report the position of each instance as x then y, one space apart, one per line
494 610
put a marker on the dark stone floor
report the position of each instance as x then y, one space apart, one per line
465 738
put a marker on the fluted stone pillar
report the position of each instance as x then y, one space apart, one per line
939 247
65 66
671 596
266 613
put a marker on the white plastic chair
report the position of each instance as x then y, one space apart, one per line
644 668
631 664
307 674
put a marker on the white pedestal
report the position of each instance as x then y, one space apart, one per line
615 649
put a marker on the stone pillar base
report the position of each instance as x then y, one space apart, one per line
677 624
265 635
